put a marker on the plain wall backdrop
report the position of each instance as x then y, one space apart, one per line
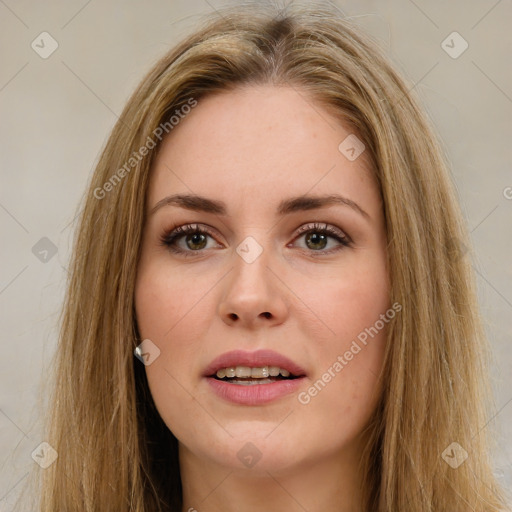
57 110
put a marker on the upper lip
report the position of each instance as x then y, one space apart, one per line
256 359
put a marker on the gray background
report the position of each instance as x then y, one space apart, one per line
56 114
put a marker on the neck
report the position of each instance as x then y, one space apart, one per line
332 483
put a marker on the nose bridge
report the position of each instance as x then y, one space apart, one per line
251 261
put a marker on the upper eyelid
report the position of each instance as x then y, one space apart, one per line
311 226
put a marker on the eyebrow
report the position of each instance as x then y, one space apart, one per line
287 206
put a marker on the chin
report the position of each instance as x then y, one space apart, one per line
254 454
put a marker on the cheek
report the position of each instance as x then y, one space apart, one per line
349 354
164 302
164 298
344 391
345 303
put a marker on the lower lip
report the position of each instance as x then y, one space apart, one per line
256 394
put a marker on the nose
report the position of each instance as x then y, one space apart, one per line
253 294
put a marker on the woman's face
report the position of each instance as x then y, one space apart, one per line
263 275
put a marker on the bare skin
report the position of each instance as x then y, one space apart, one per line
305 296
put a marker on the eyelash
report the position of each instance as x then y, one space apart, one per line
170 238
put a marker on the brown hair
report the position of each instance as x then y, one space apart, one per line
115 452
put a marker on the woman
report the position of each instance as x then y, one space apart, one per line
268 307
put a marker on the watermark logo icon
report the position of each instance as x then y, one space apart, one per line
44 250
454 455
456 248
147 352
351 147
44 455
454 45
44 45
249 455
249 249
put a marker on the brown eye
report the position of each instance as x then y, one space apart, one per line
195 238
317 240
196 241
316 237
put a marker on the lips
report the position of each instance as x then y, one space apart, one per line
255 359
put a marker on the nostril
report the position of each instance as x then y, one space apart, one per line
267 315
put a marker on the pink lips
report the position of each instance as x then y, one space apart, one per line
257 394
253 360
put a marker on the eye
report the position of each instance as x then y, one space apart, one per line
316 237
195 238
194 235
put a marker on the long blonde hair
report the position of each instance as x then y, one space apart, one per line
114 451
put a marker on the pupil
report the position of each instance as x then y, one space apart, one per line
319 236
194 239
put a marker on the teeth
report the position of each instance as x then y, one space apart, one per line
243 371
262 372
273 371
259 373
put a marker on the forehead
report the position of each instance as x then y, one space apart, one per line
258 143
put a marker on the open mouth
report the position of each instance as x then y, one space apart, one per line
254 379
247 376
